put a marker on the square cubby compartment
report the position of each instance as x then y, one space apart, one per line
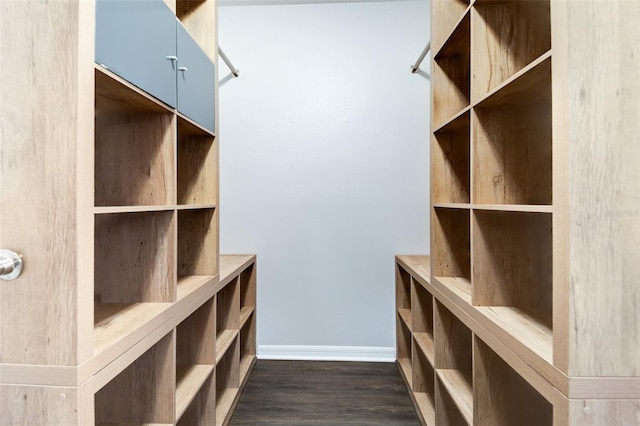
403 347
451 250
247 282
453 363
451 75
197 242
507 36
501 396
227 381
512 149
143 392
227 317
134 147
403 295
422 319
451 162
195 354
512 274
201 411
449 13
423 384
197 166
247 345
134 257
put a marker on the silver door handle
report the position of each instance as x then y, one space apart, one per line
184 69
10 265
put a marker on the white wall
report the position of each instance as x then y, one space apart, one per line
324 167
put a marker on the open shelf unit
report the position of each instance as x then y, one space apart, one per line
534 215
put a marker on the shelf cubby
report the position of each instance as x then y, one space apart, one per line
422 319
247 345
201 411
197 159
134 146
195 354
197 242
423 383
134 258
513 262
502 396
512 149
227 381
449 13
227 317
403 348
447 410
507 36
451 251
451 75
403 292
127 398
247 282
454 365
451 161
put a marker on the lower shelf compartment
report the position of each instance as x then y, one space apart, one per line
426 407
460 391
224 340
224 404
189 381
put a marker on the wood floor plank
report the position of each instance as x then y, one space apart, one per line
324 393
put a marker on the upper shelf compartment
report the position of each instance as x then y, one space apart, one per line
507 36
451 74
449 13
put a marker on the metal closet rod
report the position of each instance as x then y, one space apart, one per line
226 60
414 68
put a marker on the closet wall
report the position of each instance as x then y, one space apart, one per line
326 166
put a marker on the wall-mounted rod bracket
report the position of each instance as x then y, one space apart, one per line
416 66
10 265
235 72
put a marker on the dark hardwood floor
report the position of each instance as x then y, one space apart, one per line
324 393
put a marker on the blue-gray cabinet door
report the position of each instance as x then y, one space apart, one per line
136 40
196 81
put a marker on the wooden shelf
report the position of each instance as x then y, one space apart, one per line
224 404
459 390
405 367
115 322
514 208
421 309
403 289
426 407
424 342
423 381
197 242
227 382
245 366
189 381
224 340
196 207
405 315
245 314
197 158
459 285
190 283
507 36
131 209
451 248
403 345
450 13
451 161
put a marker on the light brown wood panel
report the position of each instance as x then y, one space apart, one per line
403 340
197 242
201 411
46 183
403 288
449 13
197 17
453 343
31 405
604 412
421 309
196 337
228 307
247 282
512 152
144 392
423 373
501 396
450 159
460 390
248 338
600 120
447 413
134 158
451 247
506 36
512 262
227 381
135 258
451 76
197 167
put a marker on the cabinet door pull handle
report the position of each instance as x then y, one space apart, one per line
10 265
184 69
172 58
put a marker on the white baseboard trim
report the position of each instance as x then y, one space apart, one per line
327 353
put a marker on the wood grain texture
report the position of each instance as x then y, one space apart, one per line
228 307
501 396
506 37
126 399
197 168
423 380
196 337
512 152
453 343
55 406
421 309
247 282
447 413
201 410
451 163
189 381
248 338
403 340
197 242
604 198
227 380
601 412
44 191
232 264
403 288
324 393
512 262
451 246
135 258
449 14
459 389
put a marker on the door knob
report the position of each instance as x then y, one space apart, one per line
10 265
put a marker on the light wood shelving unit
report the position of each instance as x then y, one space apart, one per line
535 219
126 312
